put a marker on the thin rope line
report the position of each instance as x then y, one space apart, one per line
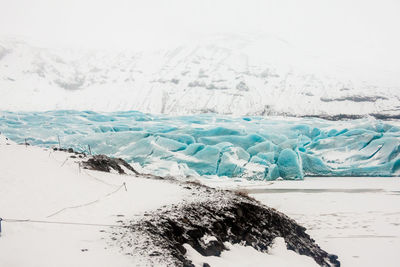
89 203
65 161
97 179
82 169
60 222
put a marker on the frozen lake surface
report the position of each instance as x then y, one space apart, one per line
356 218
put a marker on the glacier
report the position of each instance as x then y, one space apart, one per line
262 148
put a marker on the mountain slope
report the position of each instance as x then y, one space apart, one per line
226 75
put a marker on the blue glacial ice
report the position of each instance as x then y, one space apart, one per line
253 148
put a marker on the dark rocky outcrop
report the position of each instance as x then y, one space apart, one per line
354 98
69 150
340 117
382 116
225 215
105 164
337 117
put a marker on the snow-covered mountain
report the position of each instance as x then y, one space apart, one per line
237 75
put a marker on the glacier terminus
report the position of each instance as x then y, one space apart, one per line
210 144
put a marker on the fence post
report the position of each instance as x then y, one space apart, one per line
0 225
59 143
90 151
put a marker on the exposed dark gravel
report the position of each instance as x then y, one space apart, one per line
105 163
354 98
228 216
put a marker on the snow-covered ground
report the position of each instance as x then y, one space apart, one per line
36 184
57 214
238 256
356 218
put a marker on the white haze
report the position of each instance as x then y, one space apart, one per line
358 33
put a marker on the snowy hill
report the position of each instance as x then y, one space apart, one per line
56 213
238 75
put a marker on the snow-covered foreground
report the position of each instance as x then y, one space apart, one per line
239 256
355 218
83 206
34 185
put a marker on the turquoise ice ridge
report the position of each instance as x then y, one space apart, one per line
249 147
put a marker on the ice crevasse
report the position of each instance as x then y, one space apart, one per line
209 144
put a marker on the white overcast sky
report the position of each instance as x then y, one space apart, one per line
352 28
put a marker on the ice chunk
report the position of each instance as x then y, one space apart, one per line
206 160
232 161
270 156
273 172
289 165
242 141
266 146
313 165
